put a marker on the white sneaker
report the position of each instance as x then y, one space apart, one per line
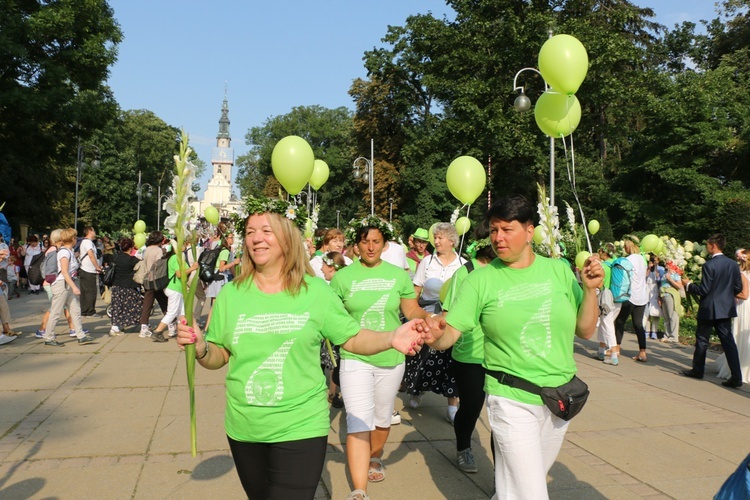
145 333
114 332
172 330
395 418
5 339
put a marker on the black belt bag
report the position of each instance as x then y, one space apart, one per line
565 401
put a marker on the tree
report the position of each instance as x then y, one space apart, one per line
54 61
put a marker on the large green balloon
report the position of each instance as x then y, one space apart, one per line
292 161
211 213
139 240
139 227
466 179
319 175
650 243
556 114
563 62
593 226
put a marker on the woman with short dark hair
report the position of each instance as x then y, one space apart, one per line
127 302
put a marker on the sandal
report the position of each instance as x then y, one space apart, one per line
357 495
376 474
642 359
11 333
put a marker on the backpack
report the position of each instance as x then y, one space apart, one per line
35 269
49 267
619 284
157 278
108 277
207 265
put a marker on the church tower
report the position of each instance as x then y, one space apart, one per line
219 189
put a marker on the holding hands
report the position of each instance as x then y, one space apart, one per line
409 337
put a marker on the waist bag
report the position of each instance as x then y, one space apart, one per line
565 401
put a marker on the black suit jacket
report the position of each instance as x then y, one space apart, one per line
720 283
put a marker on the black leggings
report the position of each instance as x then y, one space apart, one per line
636 314
470 383
289 469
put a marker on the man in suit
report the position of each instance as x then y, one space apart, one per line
721 282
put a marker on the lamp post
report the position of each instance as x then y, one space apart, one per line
139 191
522 104
369 175
338 213
390 210
79 168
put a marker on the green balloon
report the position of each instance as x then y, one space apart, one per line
319 175
292 161
466 179
593 226
431 233
563 62
139 240
463 224
538 237
650 243
211 213
556 114
139 227
581 259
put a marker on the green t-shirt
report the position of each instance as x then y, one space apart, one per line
372 296
223 257
276 390
172 267
607 267
469 348
528 317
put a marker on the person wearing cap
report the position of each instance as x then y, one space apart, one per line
419 251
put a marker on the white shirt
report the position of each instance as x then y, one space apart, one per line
395 255
431 274
86 264
638 290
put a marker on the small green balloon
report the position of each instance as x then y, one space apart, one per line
431 233
320 174
444 290
463 224
581 259
466 179
538 237
649 243
556 114
211 213
593 226
139 240
139 227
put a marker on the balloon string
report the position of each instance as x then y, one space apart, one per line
461 245
572 180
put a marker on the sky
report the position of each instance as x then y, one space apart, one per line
177 57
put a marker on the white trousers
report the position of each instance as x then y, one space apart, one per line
527 441
369 393
63 297
175 306
605 327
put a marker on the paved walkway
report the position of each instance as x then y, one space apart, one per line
110 420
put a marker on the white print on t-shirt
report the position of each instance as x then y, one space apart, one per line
372 285
279 324
374 317
265 386
536 335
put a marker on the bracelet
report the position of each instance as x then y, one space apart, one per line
204 353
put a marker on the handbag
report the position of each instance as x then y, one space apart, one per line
140 272
565 401
109 275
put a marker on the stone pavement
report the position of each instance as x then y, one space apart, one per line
110 420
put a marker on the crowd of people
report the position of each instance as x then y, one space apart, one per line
350 319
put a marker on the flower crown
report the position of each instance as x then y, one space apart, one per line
261 205
370 221
329 262
476 246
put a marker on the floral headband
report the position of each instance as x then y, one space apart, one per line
740 255
261 205
476 246
371 221
329 262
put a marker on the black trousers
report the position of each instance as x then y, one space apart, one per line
636 314
470 382
723 329
280 471
89 291
148 304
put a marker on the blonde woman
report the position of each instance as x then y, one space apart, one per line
634 307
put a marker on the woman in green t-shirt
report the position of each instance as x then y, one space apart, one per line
267 325
530 308
373 292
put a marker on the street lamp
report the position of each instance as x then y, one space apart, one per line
139 191
390 210
369 175
523 104
338 213
79 168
